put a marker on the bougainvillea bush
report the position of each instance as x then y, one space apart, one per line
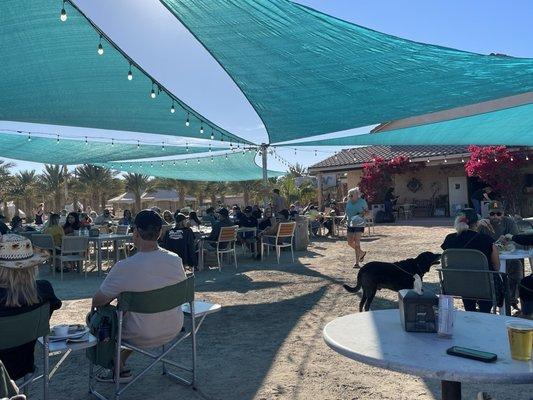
377 176
499 168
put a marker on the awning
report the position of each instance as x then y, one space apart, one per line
307 73
221 168
69 151
51 73
511 127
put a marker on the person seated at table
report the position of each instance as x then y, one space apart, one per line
168 218
20 292
63 217
72 224
314 218
85 220
222 221
256 212
104 218
150 268
234 213
126 218
180 240
54 229
192 220
16 225
498 226
468 237
293 212
267 220
247 220
39 214
3 226
209 218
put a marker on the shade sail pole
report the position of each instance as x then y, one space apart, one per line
265 174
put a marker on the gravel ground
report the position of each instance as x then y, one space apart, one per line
266 343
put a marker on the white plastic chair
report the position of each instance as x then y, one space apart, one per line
285 231
227 238
73 249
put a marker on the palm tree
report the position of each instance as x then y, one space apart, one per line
248 189
137 184
52 181
97 182
25 185
297 170
5 182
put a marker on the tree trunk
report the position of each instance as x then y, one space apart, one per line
213 200
57 200
246 197
181 197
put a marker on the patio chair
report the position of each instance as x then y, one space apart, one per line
285 231
123 245
369 223
46 242
150 302
73 249
227 238
23 328
465 274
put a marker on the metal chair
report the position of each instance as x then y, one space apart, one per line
73 249
45 242
285 231
227 238
369 223
151 302
123 244
24 328
465 273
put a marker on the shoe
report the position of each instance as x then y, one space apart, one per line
109 377
363 256
356 265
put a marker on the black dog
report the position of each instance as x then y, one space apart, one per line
394 276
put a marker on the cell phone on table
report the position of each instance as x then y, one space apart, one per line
472 354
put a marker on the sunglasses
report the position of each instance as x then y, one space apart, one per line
499 214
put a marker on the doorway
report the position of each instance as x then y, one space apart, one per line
457 193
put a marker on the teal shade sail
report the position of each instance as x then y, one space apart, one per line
70 152
511 127
220 168
51 73
307 73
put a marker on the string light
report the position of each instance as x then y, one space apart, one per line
410 160
226 156
130 74
172 109
198 161
187 123
86 142
527 158
315 153
187 147
428 160
161 163
29 136
63 16
57 141
445 160
201 127
152 93
212 160
151 165
294 151
174 163
163 146
463 160
210 147
495 159
100 47
512 159
138 144
212 134
112 142
186 162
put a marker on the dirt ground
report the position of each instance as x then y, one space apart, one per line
267 343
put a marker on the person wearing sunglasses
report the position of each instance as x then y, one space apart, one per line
497 226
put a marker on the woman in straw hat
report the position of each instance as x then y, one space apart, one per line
20 292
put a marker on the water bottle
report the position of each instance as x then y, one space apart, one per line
446 316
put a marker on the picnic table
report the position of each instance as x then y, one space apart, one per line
377 338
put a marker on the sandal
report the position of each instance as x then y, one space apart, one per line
356 265
362 257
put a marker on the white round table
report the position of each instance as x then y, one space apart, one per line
377 338
512 255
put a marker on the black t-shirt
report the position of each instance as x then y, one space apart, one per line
181 242
470 240
19 360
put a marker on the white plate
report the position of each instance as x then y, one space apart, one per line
74 335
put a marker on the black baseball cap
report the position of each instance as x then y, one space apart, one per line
148 220
179 217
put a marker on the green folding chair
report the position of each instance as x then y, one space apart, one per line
150 302
19 329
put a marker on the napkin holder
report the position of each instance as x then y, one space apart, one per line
417 311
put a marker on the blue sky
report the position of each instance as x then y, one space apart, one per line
481 26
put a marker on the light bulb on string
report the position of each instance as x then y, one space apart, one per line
226 157
428 160
163 146
210 147
172 108
212 135
152 93
86 142
198 161
138 144
63 15
512 159
186 162
315 153
201 127
29 136
410 160
445 160
100 47
151 165
57 140
174 163
527 158
495 159
212 160
187 123
112 142
130 74
161 163
463 160
187 147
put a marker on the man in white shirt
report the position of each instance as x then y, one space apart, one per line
150 268
104 218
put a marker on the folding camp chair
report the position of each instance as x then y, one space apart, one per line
150 302
465 273
73 249
46 242
285 231
19 329
227 238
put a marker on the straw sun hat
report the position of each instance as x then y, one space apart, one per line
17 252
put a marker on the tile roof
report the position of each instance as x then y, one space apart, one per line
360 155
